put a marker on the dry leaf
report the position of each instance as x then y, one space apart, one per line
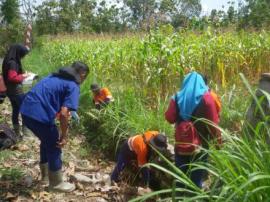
10 196
79 186
23 148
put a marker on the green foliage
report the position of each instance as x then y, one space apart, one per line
10 11
256 13
13 174
9 34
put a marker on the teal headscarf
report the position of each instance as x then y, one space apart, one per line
190 95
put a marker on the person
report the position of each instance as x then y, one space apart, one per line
254 114
14 75
56 92
102 96
191 103
138 148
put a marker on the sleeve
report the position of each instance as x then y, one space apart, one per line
14 77
212 115
71 100
170 114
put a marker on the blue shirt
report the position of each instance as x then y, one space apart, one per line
48 96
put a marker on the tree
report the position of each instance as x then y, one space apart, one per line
10 11
108 18
66 16
84 10
258 12
28 10
184 11
47 18
140 10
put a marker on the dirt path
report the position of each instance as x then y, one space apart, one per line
19 176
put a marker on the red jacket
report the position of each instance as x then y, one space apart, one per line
206 109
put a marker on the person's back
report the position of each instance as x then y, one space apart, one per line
46 98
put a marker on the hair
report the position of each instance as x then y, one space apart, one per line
80 67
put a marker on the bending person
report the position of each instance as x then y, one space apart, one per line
138 148
57 92
102 96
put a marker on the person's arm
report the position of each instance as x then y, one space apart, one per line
170 114
14 77
64 116
71 103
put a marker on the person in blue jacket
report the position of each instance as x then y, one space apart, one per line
56 93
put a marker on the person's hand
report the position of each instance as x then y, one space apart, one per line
144 190
62 142
25 75
75 116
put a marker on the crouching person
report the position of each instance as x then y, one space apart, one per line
138 147
102 96
57 92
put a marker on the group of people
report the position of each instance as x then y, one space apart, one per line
58 95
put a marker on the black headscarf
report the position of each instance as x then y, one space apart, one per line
73 72
15 53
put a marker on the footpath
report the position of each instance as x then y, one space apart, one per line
19 172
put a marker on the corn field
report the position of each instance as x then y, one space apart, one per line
144 71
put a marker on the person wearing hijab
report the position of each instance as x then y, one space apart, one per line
13 75
56 93
192 102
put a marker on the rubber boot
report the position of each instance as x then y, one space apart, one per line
44 173
17 130
26 132
56 182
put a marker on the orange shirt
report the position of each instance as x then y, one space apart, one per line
102 95
217 100
137 144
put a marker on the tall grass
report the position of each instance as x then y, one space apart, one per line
239 171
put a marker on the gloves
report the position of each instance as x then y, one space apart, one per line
75 116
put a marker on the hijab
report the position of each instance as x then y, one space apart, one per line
15 53
190 94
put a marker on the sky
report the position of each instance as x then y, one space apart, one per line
208 5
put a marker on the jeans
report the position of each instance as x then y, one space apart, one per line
48 136
183 161
16 102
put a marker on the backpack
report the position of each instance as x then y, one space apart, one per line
7 137
2 89
187 139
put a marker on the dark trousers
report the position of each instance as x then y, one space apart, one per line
124 157
16 102
48 136
183 161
